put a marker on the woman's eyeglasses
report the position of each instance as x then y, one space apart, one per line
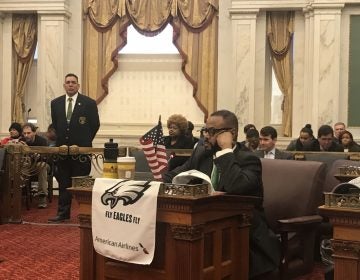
212 130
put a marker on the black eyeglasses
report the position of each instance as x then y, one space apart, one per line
212 130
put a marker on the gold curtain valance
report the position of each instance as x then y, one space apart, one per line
24 30
280 41
197 14
104 13
24 36
195 24
150 16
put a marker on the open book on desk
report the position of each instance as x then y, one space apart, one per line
351 187
193 177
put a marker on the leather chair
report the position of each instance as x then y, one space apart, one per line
292 194
142 169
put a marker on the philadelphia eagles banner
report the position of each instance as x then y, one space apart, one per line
124 219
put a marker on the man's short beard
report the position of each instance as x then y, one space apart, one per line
211 150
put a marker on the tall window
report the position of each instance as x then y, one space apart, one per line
159 44
276 100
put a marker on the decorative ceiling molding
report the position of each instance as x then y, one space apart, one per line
60 7
242 6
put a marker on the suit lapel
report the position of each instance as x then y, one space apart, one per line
78 104
62 107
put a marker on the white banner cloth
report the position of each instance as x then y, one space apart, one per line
124 219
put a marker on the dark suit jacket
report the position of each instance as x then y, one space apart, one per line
183 142
241 174
83 125
278 154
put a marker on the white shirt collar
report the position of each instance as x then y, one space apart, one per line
270 154
74 97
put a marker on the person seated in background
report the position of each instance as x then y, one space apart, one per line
267 149
189 133
326 140
247 127
338 128
31 139
235 172
177 139
252 139
305 142
49 135
347 141
15 133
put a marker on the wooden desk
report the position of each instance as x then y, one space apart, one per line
196 238
345 242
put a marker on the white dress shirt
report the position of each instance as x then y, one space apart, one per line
74 97
270 154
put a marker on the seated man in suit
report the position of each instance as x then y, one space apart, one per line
31 139
237 172
267 149
326 140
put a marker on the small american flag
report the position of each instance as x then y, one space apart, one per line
154 149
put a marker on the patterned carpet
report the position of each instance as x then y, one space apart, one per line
36 250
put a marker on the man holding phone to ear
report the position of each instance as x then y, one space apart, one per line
234 170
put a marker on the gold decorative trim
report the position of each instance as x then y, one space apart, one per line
349 248
83 182
185 232
334 200
184 190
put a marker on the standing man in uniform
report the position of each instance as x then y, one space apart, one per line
76 120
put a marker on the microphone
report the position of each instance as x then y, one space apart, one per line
28 111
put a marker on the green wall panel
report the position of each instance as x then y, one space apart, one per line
354 72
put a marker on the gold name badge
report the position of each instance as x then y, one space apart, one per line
82 120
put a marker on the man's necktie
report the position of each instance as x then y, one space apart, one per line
69 110
215 177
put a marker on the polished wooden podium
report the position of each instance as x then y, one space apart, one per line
196 238
345 242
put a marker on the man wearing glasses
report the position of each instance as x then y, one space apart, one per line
239 172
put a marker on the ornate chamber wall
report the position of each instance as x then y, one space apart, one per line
321 63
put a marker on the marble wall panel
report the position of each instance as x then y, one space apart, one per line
244 57
138 96
327 77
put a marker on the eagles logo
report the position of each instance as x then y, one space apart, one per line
129 196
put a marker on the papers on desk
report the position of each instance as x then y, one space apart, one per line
124 219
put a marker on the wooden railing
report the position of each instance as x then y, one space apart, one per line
22 161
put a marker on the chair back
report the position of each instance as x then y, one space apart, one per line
291 188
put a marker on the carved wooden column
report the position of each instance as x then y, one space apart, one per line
345 242
10 193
